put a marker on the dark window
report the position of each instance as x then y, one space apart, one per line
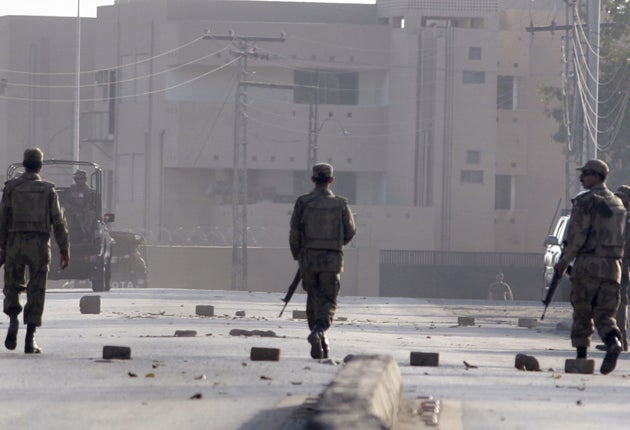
474 53
332 88
503 192
505 93
472 177
474 77
473 157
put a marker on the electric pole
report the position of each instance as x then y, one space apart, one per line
243 49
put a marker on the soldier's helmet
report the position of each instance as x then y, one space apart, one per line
33 155
322 171
623 191
597 166
80 174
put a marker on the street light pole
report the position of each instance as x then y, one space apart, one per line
77 92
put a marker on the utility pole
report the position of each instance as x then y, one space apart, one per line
243 50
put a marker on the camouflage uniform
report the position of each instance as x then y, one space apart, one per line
28 208
81 208
595 238
321 225
622 313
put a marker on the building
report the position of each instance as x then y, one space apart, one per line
428 109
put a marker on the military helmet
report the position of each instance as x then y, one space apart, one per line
80 174
33 155
597 166
623 191
322 170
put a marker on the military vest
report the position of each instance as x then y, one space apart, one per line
607 237
322 219
30 207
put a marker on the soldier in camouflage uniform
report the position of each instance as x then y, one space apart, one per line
595 239
321 225
623 192
28 209
81 208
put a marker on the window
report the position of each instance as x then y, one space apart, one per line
474 53
473 157
506 92
474 77
333 88
471 177
503 192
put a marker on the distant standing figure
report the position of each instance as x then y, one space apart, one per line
28 209
321 225
500 290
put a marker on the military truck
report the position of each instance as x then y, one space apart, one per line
90 239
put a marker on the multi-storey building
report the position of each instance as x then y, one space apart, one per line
429 111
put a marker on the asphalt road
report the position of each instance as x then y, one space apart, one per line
209 382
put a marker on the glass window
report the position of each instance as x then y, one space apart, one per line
471 177
503 192
506 93
474 53
474 77
333 88
473 157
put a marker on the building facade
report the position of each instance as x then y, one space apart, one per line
429 111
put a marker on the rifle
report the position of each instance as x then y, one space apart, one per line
553 286
287 298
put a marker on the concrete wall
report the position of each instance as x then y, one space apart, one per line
269 269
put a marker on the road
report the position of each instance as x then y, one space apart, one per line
209 382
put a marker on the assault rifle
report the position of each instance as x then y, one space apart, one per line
287 298
553 286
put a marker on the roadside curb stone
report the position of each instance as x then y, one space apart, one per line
579 365
528 322
365 394
90 304
117 352
264 354
465 321
424 359
299 315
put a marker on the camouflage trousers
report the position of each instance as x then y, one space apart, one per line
24 250
622 312
322 289
595 302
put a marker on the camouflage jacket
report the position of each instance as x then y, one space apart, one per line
297 235
30 204
595 235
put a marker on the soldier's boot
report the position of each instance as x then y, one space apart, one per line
315 339
612 353
601 347
30 346
581 352
325 345
11 340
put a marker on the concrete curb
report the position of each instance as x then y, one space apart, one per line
364 395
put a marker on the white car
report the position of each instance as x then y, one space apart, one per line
553 248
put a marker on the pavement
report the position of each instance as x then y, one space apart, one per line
208 381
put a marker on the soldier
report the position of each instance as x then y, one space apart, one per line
321 225
28 209
500 290
595 239
81 210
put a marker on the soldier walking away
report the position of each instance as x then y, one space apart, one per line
500 290
595 238
321 225
29 207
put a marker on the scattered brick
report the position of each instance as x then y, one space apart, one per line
579 365
464 321
424 359
205 310
528 322
299 315
240 313
116 352
526 362
90 304
264 354
185 333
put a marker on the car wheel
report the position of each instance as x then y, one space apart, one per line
101 279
